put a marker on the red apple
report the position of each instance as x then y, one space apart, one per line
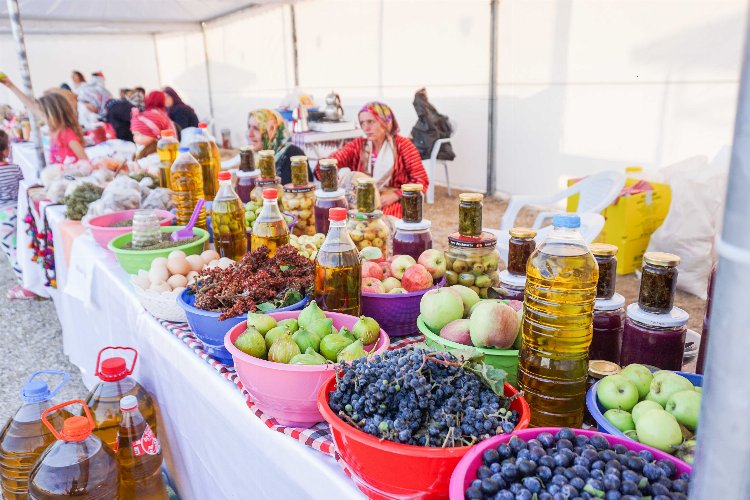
372 285
390 283
371 270
434 261
386 268
400 264
416 278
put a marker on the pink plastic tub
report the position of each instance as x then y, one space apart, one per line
396 313
103 233
288 392
466 470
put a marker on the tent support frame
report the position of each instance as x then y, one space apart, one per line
208 80
492 96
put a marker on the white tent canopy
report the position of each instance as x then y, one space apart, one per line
581 86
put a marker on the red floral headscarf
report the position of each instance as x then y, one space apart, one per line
383 114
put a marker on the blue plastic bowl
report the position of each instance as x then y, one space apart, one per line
597 410
211 331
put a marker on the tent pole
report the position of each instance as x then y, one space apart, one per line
723 454
295 55
23 63
491 118
208 80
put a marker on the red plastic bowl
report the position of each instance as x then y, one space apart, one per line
466 470
397 313
288 392
103 232
383 469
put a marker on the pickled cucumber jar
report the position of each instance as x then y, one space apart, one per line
329 175
412 238
472 261
299 170
369 230
367 196
267 164
300 202
470 214
324 201
256 196
411 203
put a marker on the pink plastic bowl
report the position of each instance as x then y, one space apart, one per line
103 233
288 392
466 470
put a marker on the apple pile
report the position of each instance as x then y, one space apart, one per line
658 409
459 315
401 273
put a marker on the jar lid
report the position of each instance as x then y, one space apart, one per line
471 197
484 240
675 317
246 149
522 232
291 188
328 162
616 302
603 249
266 152
423 225
600 368
298 158
248 173
319 193
412 187
512 280
353 214
662 259
365 180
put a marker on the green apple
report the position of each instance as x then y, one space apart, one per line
642 407
659 429
620 419
685 406
699 389
640 376
667 383
615 391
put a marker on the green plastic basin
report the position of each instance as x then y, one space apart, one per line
134 260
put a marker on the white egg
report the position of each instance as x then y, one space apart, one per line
178 290
209 255
196 262
225 262
178 265
177 280
160 287
141 280
159 262
158 274
175 253
191 276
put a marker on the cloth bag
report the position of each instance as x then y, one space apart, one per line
430 127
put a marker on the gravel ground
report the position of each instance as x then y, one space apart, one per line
31 340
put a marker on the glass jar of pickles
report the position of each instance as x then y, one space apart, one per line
267 164
606 258
256 196
412 238
658 282
300 202
411 203
512 286
609 319
472 262
367 196
470 214
329 172
369 230
299 170
654 339
520 247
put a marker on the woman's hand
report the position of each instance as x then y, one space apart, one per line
388 197
5 80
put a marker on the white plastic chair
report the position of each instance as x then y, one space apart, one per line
430 167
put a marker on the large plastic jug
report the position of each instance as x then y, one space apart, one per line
561 277
24 437
116 383
77 465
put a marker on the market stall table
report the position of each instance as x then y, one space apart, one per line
317 145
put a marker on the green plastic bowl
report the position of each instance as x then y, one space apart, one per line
507 359
135 260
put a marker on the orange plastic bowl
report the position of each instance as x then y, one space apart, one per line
384 469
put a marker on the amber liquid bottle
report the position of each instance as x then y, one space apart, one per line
269 229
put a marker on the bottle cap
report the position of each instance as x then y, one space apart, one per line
183 149
202 125
567 220
522 232
661 259
616 302
167 133
76 428
128 403
270 194
225 176
603 249
115 368
337 214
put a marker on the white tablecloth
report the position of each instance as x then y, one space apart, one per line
215 446
23 154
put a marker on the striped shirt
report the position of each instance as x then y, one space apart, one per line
407 166
10 176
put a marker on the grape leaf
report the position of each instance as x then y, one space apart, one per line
492 376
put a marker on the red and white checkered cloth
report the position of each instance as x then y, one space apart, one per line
318 436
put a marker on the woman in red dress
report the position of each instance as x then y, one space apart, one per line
390 159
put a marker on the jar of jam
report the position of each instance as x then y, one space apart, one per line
369 230
300 202
654 339
324 201
329 180
366 196
472 261
470 214
605 256
256 196
598 369
411 203
299 168
412 238
512 286
267 164
609 319
520 247
658 282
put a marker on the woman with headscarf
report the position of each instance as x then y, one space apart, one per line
156 101
180 113
119 111
266 130
92 102
146 127
390 159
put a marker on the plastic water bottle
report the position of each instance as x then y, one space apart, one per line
186 182
77 465
561 277
116 383
139 455
24 437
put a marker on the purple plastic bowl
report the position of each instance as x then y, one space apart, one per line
466 469
396 313
103 232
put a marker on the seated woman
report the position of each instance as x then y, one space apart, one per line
119 111
390 159
266 130
181 114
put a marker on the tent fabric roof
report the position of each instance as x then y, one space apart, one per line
122 16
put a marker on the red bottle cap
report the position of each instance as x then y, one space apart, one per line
115 368
337 214
225 176
74 428
270 194
202 125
